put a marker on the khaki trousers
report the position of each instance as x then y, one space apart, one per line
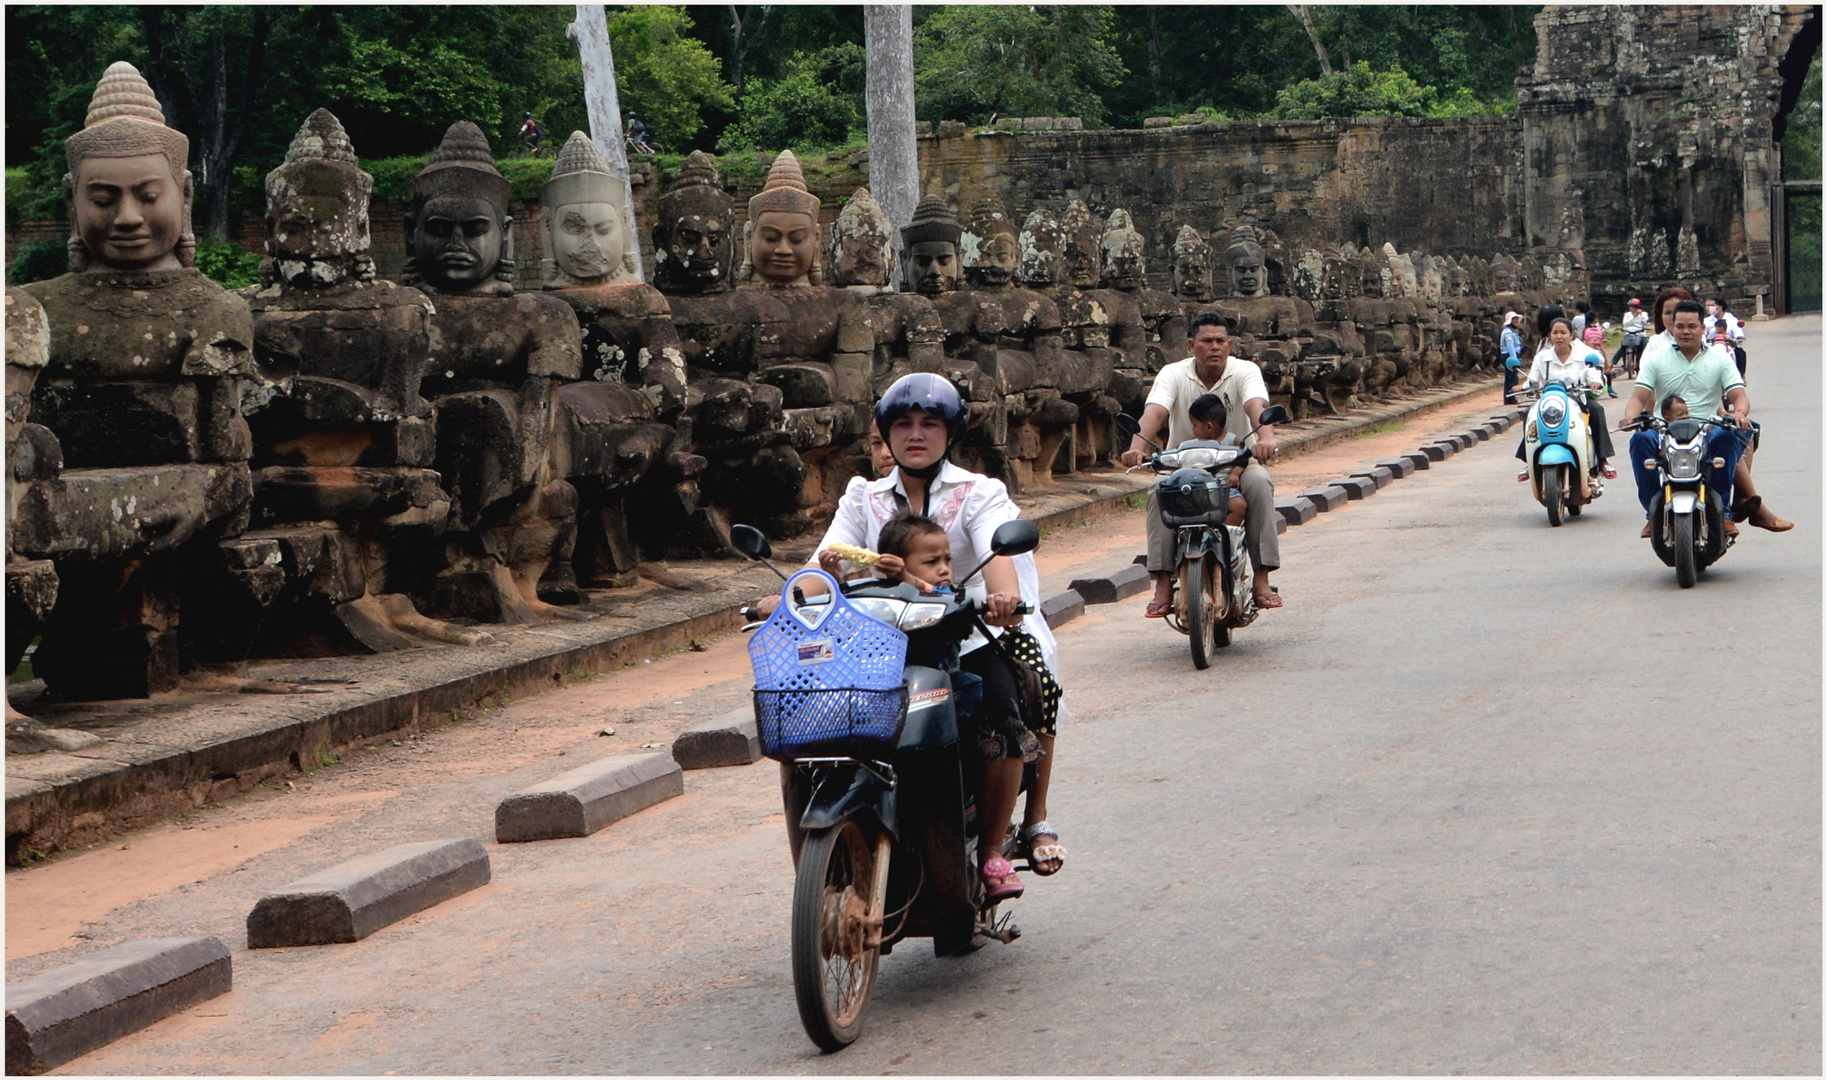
1259 536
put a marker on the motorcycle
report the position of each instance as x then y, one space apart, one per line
1687 518
879 798
1557 446
1629 355
1214 584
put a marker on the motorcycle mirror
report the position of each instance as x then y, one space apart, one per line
753 544
1128 424
1273 414
1017 537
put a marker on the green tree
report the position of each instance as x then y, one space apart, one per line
1801 137
817 103
663 75
971 63
1355 91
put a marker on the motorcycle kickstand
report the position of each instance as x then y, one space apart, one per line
1001 928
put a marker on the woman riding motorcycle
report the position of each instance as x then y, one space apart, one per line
921 417
1566 361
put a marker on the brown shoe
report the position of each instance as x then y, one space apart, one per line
1730 527
1766 519
1646 528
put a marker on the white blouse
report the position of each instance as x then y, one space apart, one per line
1576 370
969 507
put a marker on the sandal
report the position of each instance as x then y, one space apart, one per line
1271 600
1159 609
999 882
1609 472
1044 853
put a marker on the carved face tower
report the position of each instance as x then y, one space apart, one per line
1244 263
783 226
317 207
860 249
991 246
1042 250
1191 265
693 238
457 226
1083 246
585 223
127 190
1124 265
930 243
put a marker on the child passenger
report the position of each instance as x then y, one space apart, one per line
1208 419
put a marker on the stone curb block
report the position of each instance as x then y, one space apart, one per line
730 739
1381 475
1419 459
1061 608
1438 451
353 899
66 1012
1399 467
1129 581
1461 439
1481 433
1326 498
1280 524
1356 487
589 797
1501 424
1296 511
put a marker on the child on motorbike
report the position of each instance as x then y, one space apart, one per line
1208 419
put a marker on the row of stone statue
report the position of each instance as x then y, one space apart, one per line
330 462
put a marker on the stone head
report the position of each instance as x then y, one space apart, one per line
457 223
1124 263
1374 272
317 207
127 190
783 232
1191 265
1455 281
694 232
1083 245
929 254
584 220
1309 275
1403 267
1427 272
861 247
991 246
1042 250
1244 263
1502 274
1274 263
28 349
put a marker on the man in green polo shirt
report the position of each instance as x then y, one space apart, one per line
1707 380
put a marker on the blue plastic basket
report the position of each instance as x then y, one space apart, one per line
835 687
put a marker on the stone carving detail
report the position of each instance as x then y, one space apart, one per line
141 393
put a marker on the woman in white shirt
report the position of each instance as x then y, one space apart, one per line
1567 361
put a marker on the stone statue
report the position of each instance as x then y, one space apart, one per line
495 363
614 431
1125 270
32 454
1244 266
1503 275
343 442
909 335
693 235
1191 267
1309 275
142 392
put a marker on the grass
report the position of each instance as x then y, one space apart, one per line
1379 429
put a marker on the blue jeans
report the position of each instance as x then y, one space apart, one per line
1726 442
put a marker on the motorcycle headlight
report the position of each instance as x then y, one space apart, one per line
1553 414
1167 460
920 616
1198 457
878 607
1683 464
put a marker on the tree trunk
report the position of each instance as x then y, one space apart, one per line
591 33
1304 14
1153 44
893 150
742 31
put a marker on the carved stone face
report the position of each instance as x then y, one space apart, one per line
700 247
1457 282
860 253
129 211
999 256
1502 277
1192 271
783 246
1042 250
313 226
1246 275
588 239
932 266
1083 262
457 242
1340 273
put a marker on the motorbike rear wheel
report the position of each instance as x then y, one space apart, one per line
1686 554
1201 609
833 964
1552 485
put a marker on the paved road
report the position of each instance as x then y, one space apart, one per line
1484 797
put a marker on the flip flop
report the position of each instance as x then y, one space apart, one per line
1272 600
996 884
1158 609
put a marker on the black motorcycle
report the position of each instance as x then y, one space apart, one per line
1686 516
879 798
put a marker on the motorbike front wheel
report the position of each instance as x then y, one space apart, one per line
833 963
1201 609
1686 554
1552 485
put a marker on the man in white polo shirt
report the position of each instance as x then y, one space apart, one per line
1210 370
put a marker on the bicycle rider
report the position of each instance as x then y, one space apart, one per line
531 134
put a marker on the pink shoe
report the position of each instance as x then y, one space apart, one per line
1523 478
1000 882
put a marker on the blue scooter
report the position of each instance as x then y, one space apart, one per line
1557 445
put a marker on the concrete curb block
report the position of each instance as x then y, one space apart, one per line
588 798
1297 511
1481 433
1356 487
66 1012
351 900
1399 467
1439 451
730 739
1061 608
1380 475
1326 497
1131 580
1280 524
1419 459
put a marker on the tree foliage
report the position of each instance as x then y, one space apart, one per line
817 102
662 74
971 63
1359 91
1801 140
